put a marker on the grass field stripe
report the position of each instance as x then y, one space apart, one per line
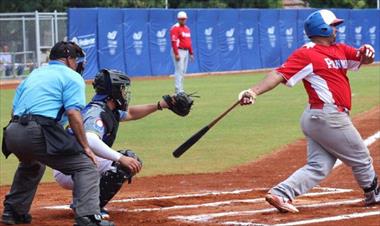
211 193
207 217
370 140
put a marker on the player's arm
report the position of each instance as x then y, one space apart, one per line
356 57
140 111
174 40
102 150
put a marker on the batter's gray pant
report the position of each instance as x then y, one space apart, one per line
330 136
28 144
180 68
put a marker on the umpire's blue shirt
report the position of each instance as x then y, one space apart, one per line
49 88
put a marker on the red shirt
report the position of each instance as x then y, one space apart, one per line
180 38
323 70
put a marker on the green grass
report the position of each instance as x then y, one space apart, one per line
244 135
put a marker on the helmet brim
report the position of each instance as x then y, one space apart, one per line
336 22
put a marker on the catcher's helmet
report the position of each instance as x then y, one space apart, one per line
114 84
318 23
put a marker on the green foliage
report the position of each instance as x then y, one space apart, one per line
351 4
242 136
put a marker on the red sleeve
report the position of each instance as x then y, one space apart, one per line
296 67
352 56
174 39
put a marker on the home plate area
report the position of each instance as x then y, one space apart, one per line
320 206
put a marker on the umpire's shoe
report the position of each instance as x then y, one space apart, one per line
10 217
92 220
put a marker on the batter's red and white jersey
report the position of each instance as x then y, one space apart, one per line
181 38
323 70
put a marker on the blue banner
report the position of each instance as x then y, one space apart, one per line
301 36
249 39
207 37
269 38
366 30
342 35
161 21
191 22
82 29
288 32
111 39
228 39
136 42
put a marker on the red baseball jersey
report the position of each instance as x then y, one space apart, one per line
323 70
180 38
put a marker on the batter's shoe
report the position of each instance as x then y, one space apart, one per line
372 194
284 205
9 217
92 220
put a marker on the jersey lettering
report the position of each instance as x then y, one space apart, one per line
337 64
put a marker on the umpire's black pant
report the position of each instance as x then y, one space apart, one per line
27 142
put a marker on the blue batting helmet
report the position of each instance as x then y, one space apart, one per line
318 23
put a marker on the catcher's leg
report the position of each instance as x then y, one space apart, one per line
111 182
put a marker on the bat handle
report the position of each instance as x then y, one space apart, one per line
223 114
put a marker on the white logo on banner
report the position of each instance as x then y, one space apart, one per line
208 35
342 34
249 37
230 39
358 36
137 42
85 41
271 36
161 40
372 35
112 42
305 38
289 37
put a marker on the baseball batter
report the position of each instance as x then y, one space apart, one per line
322 67
182 50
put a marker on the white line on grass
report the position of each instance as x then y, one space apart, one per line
310 221
207 217
370 140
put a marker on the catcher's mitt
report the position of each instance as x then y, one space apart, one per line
180 103
126 170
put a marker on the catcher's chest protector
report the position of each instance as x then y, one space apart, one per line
111 123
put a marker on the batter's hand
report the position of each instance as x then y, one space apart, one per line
177 58
367 53
90 154
247 97
133 164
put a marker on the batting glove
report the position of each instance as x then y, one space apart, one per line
367 51
247 97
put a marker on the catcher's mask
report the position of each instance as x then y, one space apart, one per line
69 50
114 84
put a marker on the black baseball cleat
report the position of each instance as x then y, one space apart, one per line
9 217
92 220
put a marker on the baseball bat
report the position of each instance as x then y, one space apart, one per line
198 135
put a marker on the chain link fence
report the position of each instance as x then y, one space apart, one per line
25 40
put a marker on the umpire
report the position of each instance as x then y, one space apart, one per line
43 103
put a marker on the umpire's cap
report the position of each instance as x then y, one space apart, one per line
65 50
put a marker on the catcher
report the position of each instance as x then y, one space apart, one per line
101 119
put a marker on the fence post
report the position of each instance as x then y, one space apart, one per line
38 43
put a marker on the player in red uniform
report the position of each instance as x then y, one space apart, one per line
322 67
181 44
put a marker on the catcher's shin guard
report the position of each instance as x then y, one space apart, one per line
111 182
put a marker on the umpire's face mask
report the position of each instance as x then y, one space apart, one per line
81 61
